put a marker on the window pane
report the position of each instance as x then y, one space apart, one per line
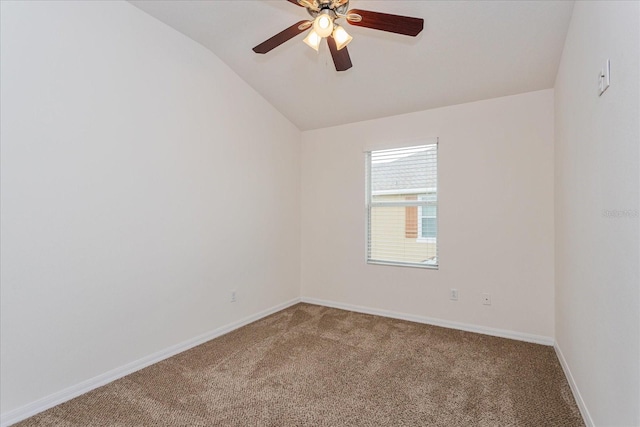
402 197
389 240
429 211
429 227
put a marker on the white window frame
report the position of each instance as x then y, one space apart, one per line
369 204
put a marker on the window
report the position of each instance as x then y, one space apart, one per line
402 206
428 217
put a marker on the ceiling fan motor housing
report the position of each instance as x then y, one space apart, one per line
334 8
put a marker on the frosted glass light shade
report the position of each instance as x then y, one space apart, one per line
323 25
341 37
313 40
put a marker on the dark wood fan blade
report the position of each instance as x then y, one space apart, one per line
406 25
281 37
295 2
341 58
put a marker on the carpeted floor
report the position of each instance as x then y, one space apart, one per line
316 366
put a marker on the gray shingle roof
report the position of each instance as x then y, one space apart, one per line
417 171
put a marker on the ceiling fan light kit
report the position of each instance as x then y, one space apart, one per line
313 40
323 26
341 36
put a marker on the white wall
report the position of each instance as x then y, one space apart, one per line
495 215
142 180
596 156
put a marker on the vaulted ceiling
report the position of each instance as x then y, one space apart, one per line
468 51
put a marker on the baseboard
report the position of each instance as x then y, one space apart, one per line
588 421
69 393
536 339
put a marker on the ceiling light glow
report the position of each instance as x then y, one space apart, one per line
323 25
341 37
313 40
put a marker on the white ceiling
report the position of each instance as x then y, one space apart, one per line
468 51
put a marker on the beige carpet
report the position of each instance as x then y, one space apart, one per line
317 366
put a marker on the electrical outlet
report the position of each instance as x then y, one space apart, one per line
453 295
233 296
486 299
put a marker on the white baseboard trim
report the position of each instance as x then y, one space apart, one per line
503 333
588 421
69 393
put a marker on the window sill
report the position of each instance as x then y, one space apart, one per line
402 264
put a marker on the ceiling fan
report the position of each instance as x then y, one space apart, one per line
325 13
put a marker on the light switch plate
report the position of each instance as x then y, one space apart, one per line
605 78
